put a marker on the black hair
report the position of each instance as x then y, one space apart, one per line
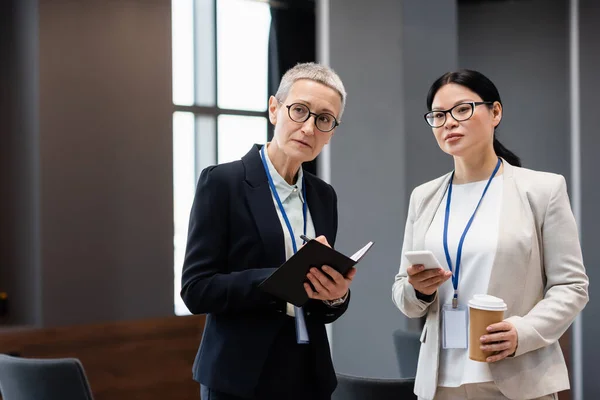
485 88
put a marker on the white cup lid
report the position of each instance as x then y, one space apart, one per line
487 302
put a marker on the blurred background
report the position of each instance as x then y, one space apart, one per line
110 109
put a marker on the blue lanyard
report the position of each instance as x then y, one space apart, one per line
462 238
280 205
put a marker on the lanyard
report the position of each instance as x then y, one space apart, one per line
462 238
280 205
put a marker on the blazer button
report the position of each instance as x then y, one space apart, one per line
308 313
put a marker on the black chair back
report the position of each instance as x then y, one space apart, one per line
43 379
407 345
359 388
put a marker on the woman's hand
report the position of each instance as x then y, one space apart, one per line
328 284
502 338
427 281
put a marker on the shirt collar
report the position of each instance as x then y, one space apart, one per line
284 189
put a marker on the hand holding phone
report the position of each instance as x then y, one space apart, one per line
428 278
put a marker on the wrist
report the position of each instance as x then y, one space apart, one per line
425 297
337 302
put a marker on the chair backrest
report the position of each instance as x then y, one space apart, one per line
43 379
359 388
407 345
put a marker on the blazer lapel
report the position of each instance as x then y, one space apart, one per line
514 242
429 207
262 208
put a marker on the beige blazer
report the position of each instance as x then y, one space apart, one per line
538 271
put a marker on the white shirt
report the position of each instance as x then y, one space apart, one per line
292 200
478 253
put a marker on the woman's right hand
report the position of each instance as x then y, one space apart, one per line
427 281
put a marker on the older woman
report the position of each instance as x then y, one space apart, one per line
246 220
501 230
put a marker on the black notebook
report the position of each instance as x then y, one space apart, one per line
287 282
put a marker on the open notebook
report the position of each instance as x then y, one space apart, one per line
287 282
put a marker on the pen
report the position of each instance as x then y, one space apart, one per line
305 238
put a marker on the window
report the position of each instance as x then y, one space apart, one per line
220 66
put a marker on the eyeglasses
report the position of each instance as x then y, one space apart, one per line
460 112
324 122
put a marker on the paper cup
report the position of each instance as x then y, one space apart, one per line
484 310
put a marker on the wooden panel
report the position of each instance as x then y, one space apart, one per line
149 359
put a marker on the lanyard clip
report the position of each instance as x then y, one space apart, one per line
455 300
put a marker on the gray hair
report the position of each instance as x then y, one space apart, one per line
314 72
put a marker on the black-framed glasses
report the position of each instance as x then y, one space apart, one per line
324 122
460 112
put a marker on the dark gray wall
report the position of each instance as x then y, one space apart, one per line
100 170
590 143
6 121
19 222
522 47
368 173
377 155
430 49
5 124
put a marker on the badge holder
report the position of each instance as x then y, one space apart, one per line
455 327
301 332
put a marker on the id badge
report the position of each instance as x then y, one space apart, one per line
455 327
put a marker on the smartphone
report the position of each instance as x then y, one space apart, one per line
423 257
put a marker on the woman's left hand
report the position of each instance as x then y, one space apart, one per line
330 285
502 338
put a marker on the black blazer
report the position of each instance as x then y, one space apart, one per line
235 241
